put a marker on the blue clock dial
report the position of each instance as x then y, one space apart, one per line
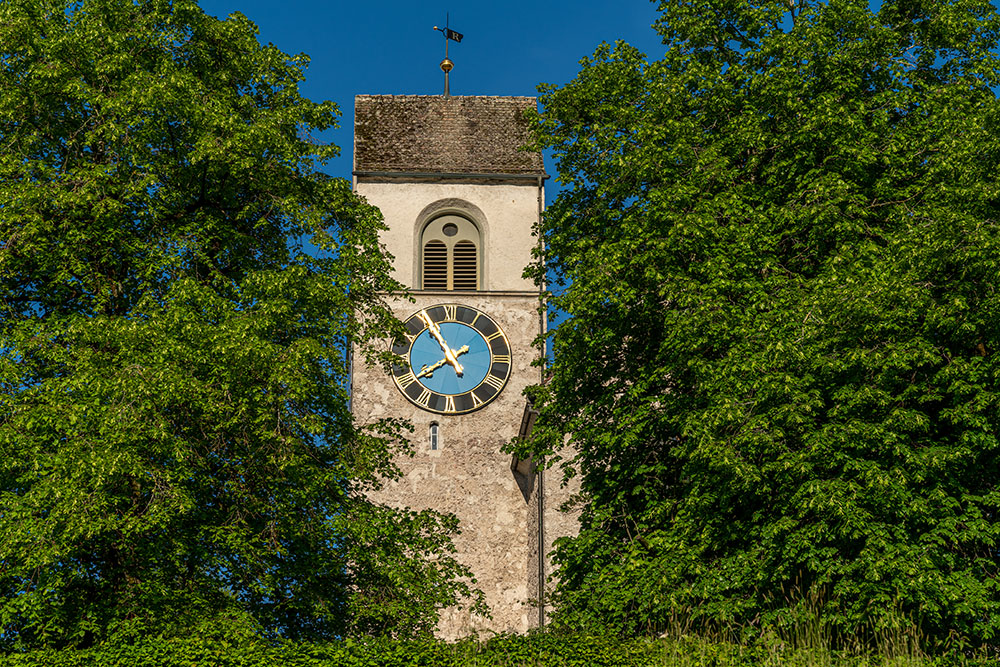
458 359
472 352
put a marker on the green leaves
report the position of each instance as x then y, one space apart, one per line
778 249
176 446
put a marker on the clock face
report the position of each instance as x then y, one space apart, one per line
458 359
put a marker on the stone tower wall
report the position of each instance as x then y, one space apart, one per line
416 158
469 475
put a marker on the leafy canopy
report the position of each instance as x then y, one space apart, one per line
175 439
779 376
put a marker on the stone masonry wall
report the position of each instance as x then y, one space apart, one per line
469 475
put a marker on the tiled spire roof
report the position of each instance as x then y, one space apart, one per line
435 134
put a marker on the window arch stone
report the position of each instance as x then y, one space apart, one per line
450 249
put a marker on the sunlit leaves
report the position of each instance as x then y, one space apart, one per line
175 439
778 376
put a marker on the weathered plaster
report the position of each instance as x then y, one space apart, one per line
505 213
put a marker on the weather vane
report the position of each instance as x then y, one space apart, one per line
447 65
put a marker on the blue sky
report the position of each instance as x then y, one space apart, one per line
390 47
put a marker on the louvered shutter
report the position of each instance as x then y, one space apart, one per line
465 276
435 265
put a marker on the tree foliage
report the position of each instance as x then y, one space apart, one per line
175 439
779 374
222 649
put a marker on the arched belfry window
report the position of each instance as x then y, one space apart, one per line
450 254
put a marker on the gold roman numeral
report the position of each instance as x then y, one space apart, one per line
406 380
476 401
449 404
425 398
451 312
495 334
494 381
501 359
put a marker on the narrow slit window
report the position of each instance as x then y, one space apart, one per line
435 436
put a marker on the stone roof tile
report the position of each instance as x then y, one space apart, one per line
436 134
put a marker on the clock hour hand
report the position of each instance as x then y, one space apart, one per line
427 371
435 331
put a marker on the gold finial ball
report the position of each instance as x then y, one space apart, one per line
446 65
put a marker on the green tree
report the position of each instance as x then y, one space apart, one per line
176 447
779 374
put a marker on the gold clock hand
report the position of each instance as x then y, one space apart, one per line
435 330
428 371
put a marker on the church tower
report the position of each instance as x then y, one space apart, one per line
460 197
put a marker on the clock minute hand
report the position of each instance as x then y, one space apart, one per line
429 370
435 330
